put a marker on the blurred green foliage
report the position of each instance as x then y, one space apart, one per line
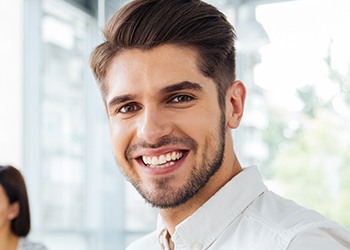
310 162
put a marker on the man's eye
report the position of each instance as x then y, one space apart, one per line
128 108
181 98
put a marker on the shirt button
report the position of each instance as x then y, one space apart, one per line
196 246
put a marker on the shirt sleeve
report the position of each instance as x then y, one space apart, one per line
322 238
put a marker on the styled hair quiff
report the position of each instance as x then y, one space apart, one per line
145 24
15 188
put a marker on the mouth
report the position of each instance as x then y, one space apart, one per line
162 161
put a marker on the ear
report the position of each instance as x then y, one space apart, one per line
13 211
235 98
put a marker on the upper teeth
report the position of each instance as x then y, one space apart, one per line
162 159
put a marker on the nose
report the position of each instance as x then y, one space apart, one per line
153 125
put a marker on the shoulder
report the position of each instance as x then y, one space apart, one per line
324 236
272 209
25 244
149 241
295 225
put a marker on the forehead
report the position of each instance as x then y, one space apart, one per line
159 55
162 65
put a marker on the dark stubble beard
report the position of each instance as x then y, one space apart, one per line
164 195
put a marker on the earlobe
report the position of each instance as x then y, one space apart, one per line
235 99
14 211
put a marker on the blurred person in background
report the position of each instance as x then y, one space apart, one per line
14 212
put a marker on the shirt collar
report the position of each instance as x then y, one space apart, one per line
208 222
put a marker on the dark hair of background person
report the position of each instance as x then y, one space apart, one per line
145 24
15 188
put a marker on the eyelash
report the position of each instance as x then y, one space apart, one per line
188 98
134 106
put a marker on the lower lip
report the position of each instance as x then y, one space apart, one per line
167 170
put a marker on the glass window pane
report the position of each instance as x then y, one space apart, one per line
304 78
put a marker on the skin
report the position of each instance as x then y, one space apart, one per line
8 240
159 102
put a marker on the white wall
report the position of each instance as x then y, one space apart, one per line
11 58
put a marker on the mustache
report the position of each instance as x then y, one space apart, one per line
185 141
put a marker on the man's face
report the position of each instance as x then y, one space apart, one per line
167 130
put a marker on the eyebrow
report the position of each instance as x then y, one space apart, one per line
120 99
169 89
181 86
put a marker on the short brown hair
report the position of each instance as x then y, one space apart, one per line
145 24
13 183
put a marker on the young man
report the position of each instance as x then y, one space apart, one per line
167 76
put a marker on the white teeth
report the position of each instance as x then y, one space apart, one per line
144 159
168 157
162 161
173 156
155 160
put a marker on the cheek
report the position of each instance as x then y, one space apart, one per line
3 214
119 137
200 124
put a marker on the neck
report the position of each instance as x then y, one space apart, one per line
173 216
8 240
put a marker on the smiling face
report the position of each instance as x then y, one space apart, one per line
168 132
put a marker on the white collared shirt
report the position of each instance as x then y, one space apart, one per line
244 215
25 244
